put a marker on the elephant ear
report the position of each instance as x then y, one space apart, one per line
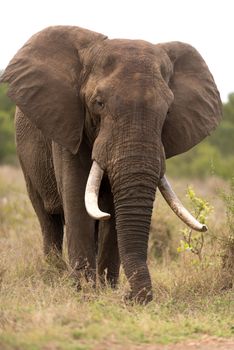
43 81
197 108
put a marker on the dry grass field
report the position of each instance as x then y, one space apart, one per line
193 303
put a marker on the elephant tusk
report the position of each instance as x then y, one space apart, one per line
91 193
175 204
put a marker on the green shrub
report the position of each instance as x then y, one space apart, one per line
213 156
203 160
7 143
7 139
228 239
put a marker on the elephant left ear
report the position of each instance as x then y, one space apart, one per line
197 108
44 80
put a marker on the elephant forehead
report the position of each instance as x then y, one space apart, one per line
134 70
134 54
130 60
128 47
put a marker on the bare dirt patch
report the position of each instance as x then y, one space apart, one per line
205 343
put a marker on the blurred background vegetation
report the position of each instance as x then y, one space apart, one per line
214 156
7 140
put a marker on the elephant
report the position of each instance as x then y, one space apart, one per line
95 121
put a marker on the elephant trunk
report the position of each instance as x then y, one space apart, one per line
133 182
91 200
134 177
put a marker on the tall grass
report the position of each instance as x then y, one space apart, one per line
40 309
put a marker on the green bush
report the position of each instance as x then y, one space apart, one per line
203 160
213 156
7 144
7 139
228 237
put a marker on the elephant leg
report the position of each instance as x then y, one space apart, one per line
71 173
81 244
108 253
35 157
51 227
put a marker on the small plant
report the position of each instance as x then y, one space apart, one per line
191 241
228 243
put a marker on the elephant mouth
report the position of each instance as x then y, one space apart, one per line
92 191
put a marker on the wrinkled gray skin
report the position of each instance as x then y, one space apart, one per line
126 104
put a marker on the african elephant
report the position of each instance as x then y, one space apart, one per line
106 113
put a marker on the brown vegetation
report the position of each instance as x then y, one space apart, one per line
39 308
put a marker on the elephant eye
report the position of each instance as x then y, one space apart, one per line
100 104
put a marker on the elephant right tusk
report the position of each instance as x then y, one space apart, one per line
178 208
91 193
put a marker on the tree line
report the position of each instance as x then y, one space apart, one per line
215 155
7 138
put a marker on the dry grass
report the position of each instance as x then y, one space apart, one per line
39 308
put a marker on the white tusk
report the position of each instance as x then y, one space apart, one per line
91 193
176 205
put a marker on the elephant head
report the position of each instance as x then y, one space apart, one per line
135 103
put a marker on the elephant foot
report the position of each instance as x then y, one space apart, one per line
113 278
109 279
55 259
83 276
143 297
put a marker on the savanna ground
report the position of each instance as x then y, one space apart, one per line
193 305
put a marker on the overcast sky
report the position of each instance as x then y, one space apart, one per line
208 25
